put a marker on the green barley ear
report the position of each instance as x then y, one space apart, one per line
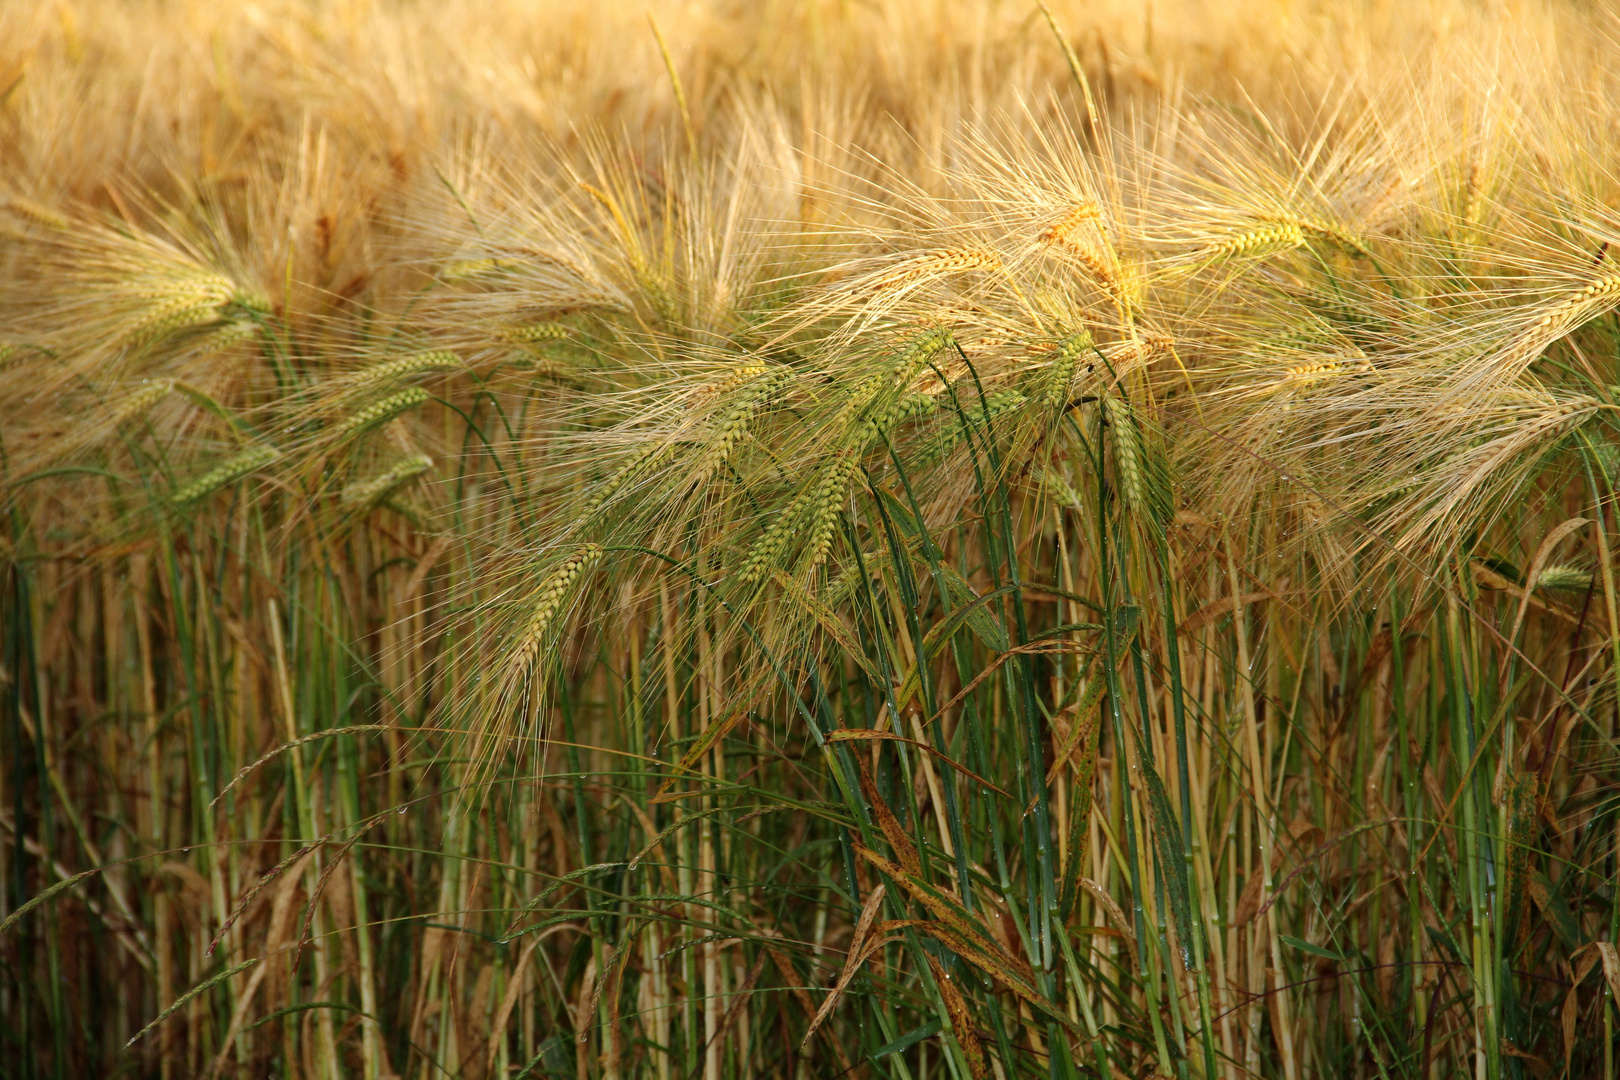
648 458
749 391
824 507
912 407
1055 485
401 472
161 320
1127 451
879 403
226 472
1608 453
1141 470
251 300
1565 578
1056 388
531 333
178 303
996 405
381 411
548 603
474 269
232 333
916 355
768 549
405 366
138 402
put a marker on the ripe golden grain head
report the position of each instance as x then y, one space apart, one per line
1284 236
941 263
1063 231
38 213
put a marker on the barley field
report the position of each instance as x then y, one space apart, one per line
888 539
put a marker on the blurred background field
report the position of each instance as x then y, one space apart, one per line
900 539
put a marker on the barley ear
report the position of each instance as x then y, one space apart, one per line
548 604
226 472
381 411
1141 470
396 475
1057 388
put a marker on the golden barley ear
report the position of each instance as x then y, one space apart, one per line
1251 244
37 213
1080 236
931 265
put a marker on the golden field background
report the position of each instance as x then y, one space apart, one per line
893 539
